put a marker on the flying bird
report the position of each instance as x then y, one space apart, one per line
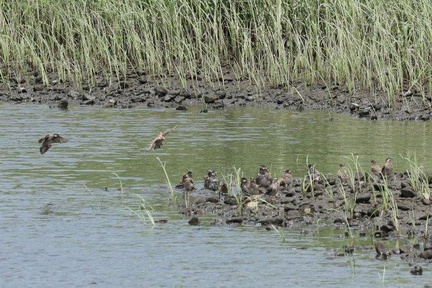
48 140
159 140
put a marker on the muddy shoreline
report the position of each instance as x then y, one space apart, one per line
140 89
364 204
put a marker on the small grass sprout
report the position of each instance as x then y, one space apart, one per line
144 212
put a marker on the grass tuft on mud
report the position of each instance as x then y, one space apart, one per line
379 45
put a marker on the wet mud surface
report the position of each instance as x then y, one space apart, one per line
379 204
140 89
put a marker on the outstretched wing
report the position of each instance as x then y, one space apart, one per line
44 149
43 138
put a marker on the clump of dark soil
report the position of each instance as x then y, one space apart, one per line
140 89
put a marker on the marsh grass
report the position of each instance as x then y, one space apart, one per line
389 204
328 189
418 178
238 174
120 185
378 45
308 181
426 229
163 166
144 213
280 231
351 188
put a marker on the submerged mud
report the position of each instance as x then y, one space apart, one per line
141 89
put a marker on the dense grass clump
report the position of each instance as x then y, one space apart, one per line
381 45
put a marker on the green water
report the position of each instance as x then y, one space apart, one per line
65 222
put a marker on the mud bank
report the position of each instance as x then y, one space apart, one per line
379 205
140 89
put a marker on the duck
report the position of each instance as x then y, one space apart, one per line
263 178
274 187
342 173
224 188
180 185
210 181
287 177
188 184
249 188
48 140
387 169
375 168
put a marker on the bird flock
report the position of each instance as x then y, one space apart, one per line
262 183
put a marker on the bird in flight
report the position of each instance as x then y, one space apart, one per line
159 140
48 140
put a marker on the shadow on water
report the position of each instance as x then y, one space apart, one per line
65 221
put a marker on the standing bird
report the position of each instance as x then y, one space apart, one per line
375 168
210 181
342 173
159 140
188 184
224 189
275 186
387 169
48 140
184 177
263 178
286 180
249 189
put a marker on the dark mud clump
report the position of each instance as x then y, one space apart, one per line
141 89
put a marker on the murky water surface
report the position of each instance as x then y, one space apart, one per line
64 221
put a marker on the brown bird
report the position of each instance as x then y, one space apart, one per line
286 180
263 178
159 140
184 177
48 140
249 188
210 181
375 168
387 169
188 184
274 187
382 252
224 188
342 173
